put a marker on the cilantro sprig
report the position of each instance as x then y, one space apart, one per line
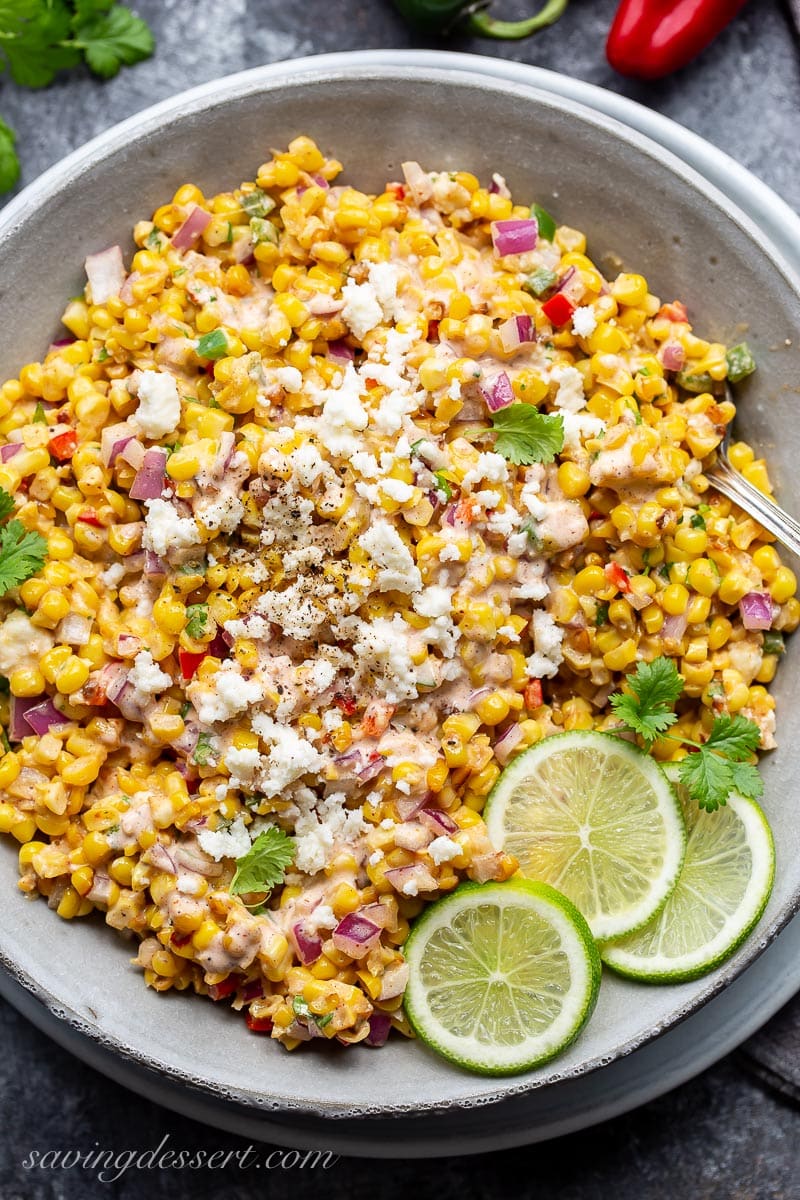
718 766
525 436
264 865
22 551
39 38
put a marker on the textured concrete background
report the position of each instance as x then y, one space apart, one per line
720 1137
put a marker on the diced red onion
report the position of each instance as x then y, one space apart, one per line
516 332
408 806
438 821
340 352
516 236
160 857
308 947
192 858
100 891
7 452
674 627
192 227
219 646
74 630
379 914
18 728
242 249
113 441
187 741
477 695
450 514
113 678
416 875
253 990
324 305
153 566
128 701
372 768
380 1026
507 742
132 453
60 343
126 291
672 356
393 981
355 936
149 481
227 445
321 181
44 716
498 392
571 285
757 610
106 273
299 1032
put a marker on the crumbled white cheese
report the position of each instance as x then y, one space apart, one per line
322 917
320 823
332 720
243 764
382 646
289 378
397 489
443 849
308 464
159 408
387 823
450 553
398 571
578 427
504 521
224 513
113 575
290 756
366 465
434 601
228 694
490 466
584 322
233 842
362 310
342 416
547 638
165 530
533 501
146 676
376 857
383 277
21 643
570 394
322 674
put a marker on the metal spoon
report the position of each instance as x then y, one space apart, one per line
726 479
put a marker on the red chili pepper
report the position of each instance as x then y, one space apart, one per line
64 445
619 577
651 38
676 311
532 695
259 1024
190 662
558 309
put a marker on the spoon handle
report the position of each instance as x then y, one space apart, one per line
726 479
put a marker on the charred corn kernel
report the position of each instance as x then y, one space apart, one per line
82 879
169 613
82 771
345 899
573 480
756 473
205 935
59 545
652 618
703 577
72 675
737 693
698 610
52 608
461 725
165 964
29 851
52 661
767 560
675 599
719 633
121 870
590 581
69 903
769 665
96 848
694 541
493 709
629 289
26 682
733 586
166 726
621 656
783 585
696 676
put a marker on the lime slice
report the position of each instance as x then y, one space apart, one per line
502 976
596 818
721 893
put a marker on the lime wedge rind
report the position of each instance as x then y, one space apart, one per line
595 817
518 999
705 900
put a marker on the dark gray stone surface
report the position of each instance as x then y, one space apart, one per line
721 1137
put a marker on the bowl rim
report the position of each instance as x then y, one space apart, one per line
443 67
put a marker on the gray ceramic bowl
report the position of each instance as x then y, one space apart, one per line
637 203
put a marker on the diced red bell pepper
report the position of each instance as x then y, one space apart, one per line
558 309
676 311
618 576
397 190
345 703
180 939
218 991
89 517
259 1024
533 695
64 445
433 331
190 662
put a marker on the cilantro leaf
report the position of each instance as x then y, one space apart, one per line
707 778
113 39
212 345
204 754
39 415
22 554
6 503
265 863
36 40
525 436
647 707
9 162
257 203
197 622
443 485
735 737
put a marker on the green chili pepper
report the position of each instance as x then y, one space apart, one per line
740 362
442 16
694 383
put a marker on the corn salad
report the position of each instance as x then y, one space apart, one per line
295 582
